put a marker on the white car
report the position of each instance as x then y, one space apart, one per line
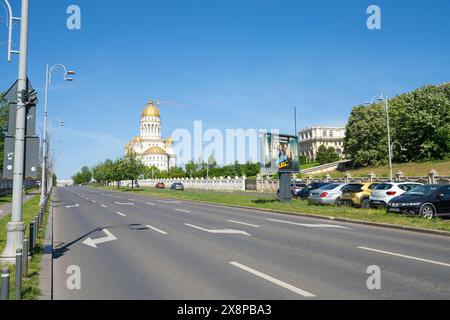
383 193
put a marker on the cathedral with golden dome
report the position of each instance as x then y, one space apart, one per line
149 146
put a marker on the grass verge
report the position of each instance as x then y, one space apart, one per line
30 286
297 206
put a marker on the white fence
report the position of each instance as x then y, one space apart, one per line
216 184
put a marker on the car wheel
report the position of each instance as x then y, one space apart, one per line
427 212
338 203
365 204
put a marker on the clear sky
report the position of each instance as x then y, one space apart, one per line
230 63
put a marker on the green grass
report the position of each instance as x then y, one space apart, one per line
309 165
409 169
297 206
30 286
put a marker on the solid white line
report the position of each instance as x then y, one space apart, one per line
181 210
243 223
170 202
275 281
150 204
407 257
121 214
309 225
156 229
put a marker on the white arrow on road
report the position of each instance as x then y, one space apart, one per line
75 206
94 242
223 231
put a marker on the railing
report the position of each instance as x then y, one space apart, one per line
6 186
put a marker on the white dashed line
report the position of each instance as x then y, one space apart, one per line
121 214
181 210
156 229
273 280
104 206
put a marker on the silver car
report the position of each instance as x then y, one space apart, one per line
327 195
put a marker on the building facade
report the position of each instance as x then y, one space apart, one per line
149 146
312 138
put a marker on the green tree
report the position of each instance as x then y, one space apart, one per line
132 167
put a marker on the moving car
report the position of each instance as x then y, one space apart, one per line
160 185
177 186
304 194
428 201
385 192
327 195
357 194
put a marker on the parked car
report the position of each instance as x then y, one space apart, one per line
177 186
327 195
385 192
135 185
296 188
304 194
357 194
428 201
160 185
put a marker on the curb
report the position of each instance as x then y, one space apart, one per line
45 274
321 217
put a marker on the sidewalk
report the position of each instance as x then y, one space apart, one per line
5 208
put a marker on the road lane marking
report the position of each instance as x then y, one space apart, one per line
156 229
94 242
74 206
124 203
405 256
243 223
104 206
93 201
309 225
150 204
170 202
218 231
131 200
181 210
121 214
274 280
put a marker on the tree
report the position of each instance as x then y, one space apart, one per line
326 155
132 167
83 177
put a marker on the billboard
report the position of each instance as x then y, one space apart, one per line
280 153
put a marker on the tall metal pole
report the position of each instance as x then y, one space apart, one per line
44 140
15 229
295 121
386 108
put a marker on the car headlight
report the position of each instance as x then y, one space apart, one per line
413 204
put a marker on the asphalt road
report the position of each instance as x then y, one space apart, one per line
141 247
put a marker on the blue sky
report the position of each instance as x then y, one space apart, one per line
230 63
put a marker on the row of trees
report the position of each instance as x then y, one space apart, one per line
131 168
420 123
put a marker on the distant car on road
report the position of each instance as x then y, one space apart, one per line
177 186
385 192
304 194
428 201
357 194
327 195
160 185
133 185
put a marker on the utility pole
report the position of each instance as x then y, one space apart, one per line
295 121
16 228
44 141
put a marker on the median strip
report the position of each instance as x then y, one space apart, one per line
274 280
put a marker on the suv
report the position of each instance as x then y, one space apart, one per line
385 192
358 194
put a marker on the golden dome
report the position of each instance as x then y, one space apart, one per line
155 151
151 110
170 140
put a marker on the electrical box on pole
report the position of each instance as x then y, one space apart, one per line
31 141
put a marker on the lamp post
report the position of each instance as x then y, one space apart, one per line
384 98
48 82
16 228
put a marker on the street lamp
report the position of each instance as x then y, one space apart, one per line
384 98
48 82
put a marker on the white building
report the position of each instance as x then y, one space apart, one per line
312 138
149 146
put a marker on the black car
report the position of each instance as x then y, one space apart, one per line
304 194
428 201
177 187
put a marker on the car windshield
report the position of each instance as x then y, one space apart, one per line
384 186
422 191
330 186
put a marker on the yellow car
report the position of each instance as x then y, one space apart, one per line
357 194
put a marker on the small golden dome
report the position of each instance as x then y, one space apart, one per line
155 151
170 140
151 110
